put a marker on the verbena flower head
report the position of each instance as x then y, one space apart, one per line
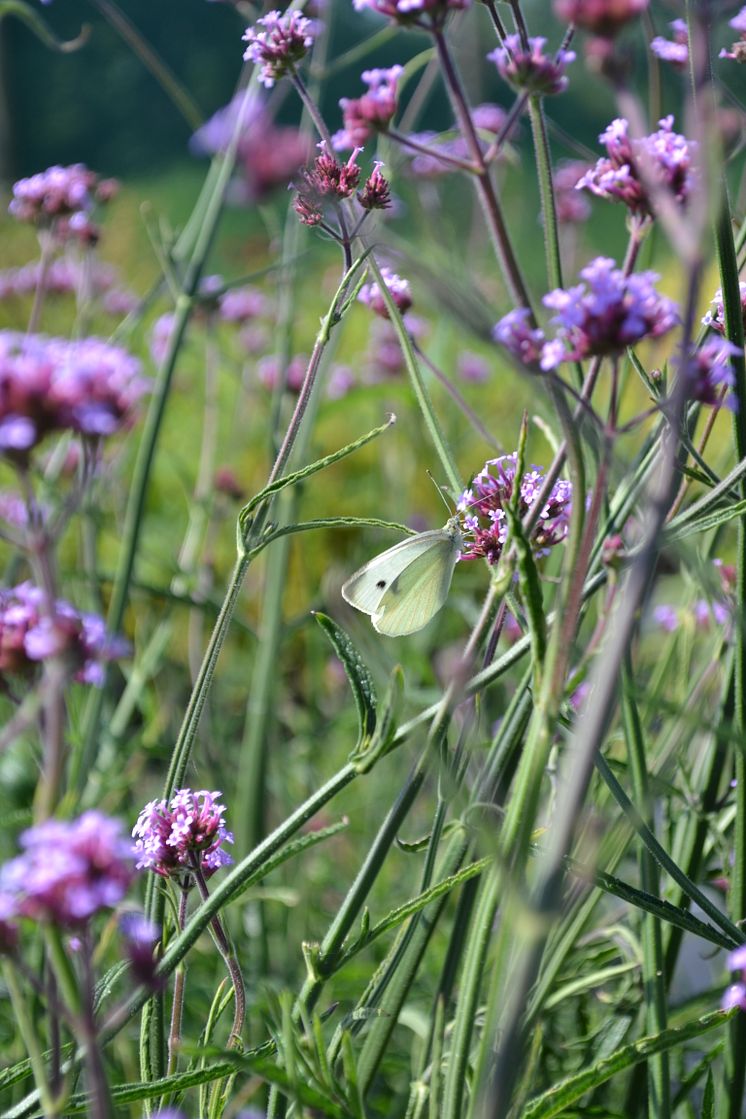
735 995
515 332
601 17
364 116
171 835
29 633
85 385
606 313
326 181
400 291
715 317
279 46
69 870
531 69
419 12
242 304
664 156
710 369
676 50
737 53
483 506
376 193
58 192
269 372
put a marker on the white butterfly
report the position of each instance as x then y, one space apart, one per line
404 587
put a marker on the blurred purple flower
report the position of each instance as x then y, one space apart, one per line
411 11
170 834
242 304
666 617
69 870
607 313
269 372
384 359
401 293
483 505
572 207
530 69
515 332
473 367
715 317
29 634
341 380
710 369
735 995
85 385
140 938
675 51
601 17
58 192
279 46
363 117
666 157
267 157
487 118
13 509
737 53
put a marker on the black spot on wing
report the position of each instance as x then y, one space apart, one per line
381 584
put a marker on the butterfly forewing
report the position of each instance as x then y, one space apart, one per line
365 589
417 594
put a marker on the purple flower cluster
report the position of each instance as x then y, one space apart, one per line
737 52
664 158
86 385
605 314
572 207
735 995
363 116
710 370
30 632
412 11
170 835
487 117
267 156
370 294
69 870
279 46
242 304
676 50
715 317
529 68
59 193
326 180
67 276
483 504
140 937
520 338
601 17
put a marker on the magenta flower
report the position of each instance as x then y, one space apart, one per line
666 617
29 634
715 317
606 313
524 341
269 371
676 50
665 156
530 69
735 995
84 385
279 46
364 116
376 192
737 53
69 870
483 504
425 13
140 937
601 17
401 293
171 835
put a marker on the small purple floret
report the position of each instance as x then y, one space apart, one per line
171 835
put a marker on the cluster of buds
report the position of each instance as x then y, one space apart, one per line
399 289
364 116
737 52
603 18
282 42
186 833
33 630
485 520
675 50
327 181
413 13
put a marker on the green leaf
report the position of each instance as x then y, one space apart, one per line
382 739
361 681
708 1100
569 1091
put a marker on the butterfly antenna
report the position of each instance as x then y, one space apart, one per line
442 493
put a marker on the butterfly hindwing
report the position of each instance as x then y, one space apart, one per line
365 589
418 593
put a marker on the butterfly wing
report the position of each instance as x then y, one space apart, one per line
420 590
365 589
